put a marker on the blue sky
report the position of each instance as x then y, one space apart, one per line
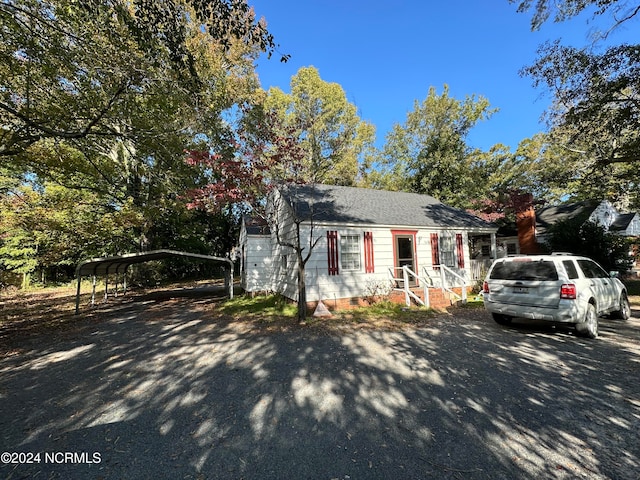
386 55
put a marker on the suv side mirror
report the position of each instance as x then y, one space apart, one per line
614 274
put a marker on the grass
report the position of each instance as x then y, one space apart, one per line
271 308
383 314
258 307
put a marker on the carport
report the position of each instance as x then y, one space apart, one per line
118 265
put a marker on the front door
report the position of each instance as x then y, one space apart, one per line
405 256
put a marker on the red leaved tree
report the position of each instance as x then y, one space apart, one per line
264 155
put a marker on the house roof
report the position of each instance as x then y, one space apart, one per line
351 205
622 221
548 216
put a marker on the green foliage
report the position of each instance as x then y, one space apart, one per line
591 240
595 117
428 153
326 125
91 70
98 102
260 306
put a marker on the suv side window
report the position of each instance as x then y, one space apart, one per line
592 269
570 267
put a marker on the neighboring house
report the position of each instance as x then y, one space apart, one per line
361 239
506 244
534 225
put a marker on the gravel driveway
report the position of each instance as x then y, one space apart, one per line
163 388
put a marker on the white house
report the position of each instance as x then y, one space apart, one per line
363 242
602 213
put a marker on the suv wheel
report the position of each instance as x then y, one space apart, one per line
624 311
589 328
501 319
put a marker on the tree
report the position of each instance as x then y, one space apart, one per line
591 240
102 98
292 220
560 11
51 228
72 70
428 153
595 115
259 176
326 125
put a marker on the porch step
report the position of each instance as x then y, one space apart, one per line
437 298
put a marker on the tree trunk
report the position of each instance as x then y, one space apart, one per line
302 291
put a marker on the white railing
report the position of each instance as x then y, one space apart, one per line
449 278
444 271
407 274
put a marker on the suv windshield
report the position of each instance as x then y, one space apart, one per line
524 270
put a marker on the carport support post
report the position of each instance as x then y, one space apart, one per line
106 286
228 278
78 294
93 291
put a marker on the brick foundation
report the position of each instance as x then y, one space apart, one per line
437 299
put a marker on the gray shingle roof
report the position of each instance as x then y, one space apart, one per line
622 221
548 216
337 204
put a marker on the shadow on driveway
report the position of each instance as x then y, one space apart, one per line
166 388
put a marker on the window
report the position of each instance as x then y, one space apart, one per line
350 252
525 270
447 251
570 267
592 269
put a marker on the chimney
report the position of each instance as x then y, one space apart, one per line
525 222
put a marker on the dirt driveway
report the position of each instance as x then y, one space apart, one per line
164 388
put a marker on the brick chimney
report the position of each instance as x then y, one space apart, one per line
526 223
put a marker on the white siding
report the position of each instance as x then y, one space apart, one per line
604 214
357 283
258 263
633 230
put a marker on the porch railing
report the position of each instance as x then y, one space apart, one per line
403 283
448 278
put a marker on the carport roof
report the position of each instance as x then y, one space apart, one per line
120 263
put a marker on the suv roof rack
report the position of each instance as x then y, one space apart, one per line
562 253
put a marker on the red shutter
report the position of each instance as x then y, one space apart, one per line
332 251
460 250
435 250
368 252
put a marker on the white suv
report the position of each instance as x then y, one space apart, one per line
556 288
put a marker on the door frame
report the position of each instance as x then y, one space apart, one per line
411 234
